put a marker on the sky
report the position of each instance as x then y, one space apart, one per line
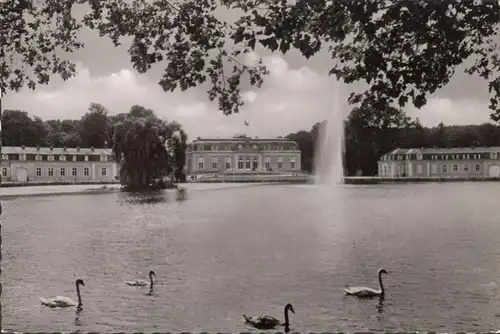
296 94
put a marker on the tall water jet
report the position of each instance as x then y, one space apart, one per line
329 155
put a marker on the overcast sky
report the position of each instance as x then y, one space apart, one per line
297 94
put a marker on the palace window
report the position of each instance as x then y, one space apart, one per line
73 171
248 164
86 171
280 162
38 172
478 168
466 168
240 163
201 163
255 164
228 163
4 172
267 163
51 171
104 171
445 168
62 171
455 168
215 162
292 163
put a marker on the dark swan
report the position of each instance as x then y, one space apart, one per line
268 322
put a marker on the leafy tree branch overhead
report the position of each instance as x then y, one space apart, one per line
404 50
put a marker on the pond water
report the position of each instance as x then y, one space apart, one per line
221 251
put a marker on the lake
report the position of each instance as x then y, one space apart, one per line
220 251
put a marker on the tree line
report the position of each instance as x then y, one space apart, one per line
370 133
147 147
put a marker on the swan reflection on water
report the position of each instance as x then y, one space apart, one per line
77 316
380 304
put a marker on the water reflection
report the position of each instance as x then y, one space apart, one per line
77 316
181 195
154 197
380 304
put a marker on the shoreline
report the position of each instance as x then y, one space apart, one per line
386 180
55 183
57 190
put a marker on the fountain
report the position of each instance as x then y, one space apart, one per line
328 160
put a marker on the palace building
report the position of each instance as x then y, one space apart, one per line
26 164
242 155
441 162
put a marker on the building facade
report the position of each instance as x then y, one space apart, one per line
26 164
441 162
242 155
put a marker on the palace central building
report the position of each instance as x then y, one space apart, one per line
214 155
441 162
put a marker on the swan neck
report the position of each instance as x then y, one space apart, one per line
78 294
380 284
286 317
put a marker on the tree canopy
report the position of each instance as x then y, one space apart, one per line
148 148
404 50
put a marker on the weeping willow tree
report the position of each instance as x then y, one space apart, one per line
147 148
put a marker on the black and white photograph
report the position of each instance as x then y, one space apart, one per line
250 166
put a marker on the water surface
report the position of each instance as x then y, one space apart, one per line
219 252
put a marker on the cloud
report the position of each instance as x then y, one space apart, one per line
291 99
452 111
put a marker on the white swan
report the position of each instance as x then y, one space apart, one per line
61 301
364 292
140 282
268 322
